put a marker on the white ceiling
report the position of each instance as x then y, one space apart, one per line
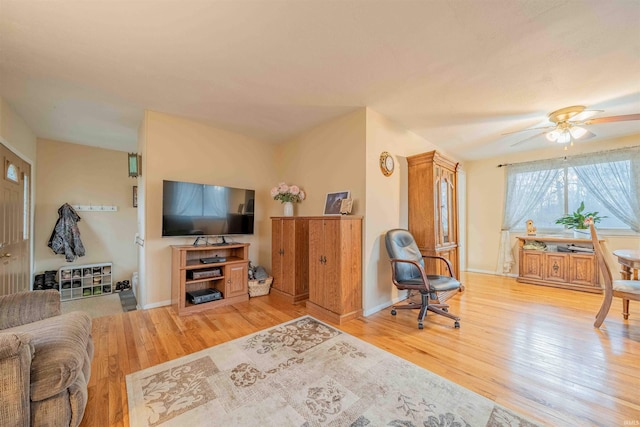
458 73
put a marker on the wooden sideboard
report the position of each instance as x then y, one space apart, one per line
571 270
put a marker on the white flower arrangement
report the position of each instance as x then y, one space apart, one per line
287 193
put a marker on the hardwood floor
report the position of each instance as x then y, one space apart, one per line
530 348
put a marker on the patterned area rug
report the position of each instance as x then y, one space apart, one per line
304 373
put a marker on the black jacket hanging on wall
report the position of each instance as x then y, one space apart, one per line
65 239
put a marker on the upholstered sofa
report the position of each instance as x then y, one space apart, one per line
45 361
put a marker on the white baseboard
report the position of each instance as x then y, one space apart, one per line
382 306
477 270
156 304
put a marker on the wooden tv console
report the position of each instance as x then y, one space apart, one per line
188 273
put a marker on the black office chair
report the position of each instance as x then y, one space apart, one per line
407 272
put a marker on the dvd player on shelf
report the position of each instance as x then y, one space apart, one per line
212 260
204 273
203 295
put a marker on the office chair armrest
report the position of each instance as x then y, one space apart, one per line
449 266
416 264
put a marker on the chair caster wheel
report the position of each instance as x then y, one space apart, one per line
393 312
456 325
420 326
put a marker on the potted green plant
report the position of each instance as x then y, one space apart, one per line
579 221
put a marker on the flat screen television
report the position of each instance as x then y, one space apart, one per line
190 209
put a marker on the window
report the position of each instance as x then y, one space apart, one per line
607 182
26 212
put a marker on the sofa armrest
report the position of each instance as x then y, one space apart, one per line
26 307
16 353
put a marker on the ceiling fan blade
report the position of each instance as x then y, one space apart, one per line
528 139
587 135
584 115
610 119
525 130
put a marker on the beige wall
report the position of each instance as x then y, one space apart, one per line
485 201
386 204
327 158
15 133
179 149
84 175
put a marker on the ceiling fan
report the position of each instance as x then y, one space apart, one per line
570 124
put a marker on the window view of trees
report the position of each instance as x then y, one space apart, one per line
565 194
607 183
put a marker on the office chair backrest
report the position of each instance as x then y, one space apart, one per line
401 245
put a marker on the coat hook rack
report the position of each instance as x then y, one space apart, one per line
95 208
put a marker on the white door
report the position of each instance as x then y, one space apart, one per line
14 223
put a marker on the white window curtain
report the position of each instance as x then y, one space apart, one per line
613 178
527 185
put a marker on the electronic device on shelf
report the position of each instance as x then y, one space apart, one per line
203 295
204 274
213 260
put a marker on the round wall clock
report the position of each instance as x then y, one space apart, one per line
387 163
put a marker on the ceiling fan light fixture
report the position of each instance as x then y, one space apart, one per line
577 132
553 135
564 137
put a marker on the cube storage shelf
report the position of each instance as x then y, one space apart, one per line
83 281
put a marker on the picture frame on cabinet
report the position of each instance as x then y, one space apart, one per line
346 206
333 202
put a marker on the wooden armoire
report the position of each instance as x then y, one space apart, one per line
433 210
290 258
335 268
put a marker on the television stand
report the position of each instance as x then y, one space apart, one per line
189 274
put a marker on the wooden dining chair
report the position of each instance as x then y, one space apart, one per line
625 289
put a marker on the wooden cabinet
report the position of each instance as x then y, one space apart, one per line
290 258
433 211
335 268
571 270
189 273
236 276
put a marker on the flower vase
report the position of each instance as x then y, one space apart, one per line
288 209
581 234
